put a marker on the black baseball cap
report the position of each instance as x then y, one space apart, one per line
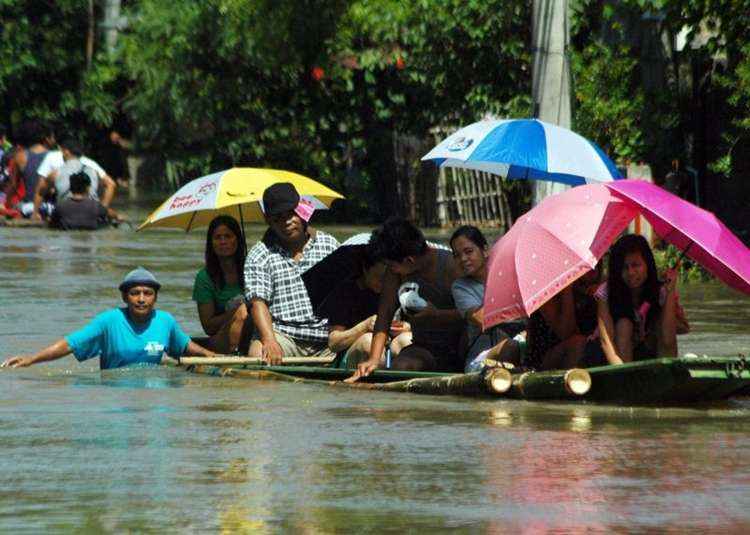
280 198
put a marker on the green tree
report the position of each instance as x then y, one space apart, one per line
318 87
44 72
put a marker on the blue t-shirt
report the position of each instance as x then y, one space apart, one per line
118 341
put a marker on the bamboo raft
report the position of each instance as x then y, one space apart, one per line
685 380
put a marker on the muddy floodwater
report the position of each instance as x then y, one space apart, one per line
159 450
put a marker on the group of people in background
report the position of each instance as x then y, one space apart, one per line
43 179
407 304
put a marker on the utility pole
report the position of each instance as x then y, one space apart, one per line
112 23
551 74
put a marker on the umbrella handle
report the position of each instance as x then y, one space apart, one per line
680 258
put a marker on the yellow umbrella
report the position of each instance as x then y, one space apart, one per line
237 192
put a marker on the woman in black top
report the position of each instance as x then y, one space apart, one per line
638 316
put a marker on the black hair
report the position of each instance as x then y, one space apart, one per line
369 256
48 130
79 182
73 146
212 260
619 296
30 132
471 233
397 239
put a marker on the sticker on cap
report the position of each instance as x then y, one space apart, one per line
304 209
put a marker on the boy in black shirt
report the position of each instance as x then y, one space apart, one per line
351 310
79 211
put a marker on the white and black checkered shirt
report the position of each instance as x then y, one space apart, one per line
272 275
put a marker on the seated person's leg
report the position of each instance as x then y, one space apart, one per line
665 339
294 347
574 348
624 333
593 354
228 338
289 347
400 342
414 358
565 354
237 324
359 350
506 350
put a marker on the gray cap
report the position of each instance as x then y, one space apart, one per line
140 276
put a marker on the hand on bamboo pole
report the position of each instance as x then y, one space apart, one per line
363 370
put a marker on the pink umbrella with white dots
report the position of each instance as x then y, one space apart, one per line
549 247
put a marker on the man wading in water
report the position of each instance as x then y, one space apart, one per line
120 337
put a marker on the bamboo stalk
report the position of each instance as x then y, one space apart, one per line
495 381
482 198
476 196
551 385
227 360
457 193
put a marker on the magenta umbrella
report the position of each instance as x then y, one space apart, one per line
551 246
697 232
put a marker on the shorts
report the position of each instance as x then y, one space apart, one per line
294 347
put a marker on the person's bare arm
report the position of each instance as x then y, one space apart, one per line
607 332
668 319
475 316
559 313
386 310
341 338
114 215
41 188
272 351
210 320
57 350
198 350
108 189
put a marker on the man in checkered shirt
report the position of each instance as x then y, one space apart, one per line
280 307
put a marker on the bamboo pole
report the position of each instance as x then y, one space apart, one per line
456 193
443 211
483 198
488 196
570 384
227 360
492 381
474 198
498 199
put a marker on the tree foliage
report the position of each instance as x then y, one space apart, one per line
44 72
317 86
321 86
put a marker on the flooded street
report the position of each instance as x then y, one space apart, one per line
154 450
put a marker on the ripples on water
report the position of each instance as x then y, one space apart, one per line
157 449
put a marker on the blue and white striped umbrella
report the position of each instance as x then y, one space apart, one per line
525 149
